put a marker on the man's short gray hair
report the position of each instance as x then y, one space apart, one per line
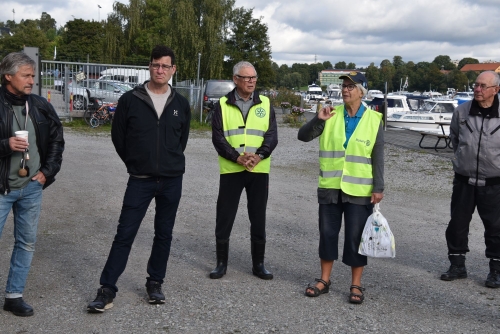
11 63
240 65
496 78
362 89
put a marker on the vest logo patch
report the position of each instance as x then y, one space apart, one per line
260 112
176 112
366 142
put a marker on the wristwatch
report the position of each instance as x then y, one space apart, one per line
261 156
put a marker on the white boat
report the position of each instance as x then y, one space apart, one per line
462 97
430 116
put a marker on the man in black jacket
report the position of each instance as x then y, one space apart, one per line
28 164
150 132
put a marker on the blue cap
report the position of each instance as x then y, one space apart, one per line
356 77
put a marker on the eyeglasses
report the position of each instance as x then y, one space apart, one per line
247 79
164 67
482 86
349 87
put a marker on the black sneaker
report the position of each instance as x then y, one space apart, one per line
454 273
493 279
18 307
154 292
102 302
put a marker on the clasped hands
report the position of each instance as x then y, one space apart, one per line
248 160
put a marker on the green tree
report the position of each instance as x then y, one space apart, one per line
457 80
249 41
81 38
466 61
327 65
26 33
341 65
387 72
444 62
314 70
373 77
351 66
303 69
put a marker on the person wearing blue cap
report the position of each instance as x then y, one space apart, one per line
351 179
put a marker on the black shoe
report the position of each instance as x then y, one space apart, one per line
222 250
454 273
154 292
258 268
493 279
18 307
102 302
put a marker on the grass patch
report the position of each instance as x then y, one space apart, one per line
78 124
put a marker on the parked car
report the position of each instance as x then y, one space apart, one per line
215 89
107 91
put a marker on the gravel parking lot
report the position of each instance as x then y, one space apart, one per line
403 295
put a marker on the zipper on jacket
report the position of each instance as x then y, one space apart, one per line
496 129
468 126
158 147
478 150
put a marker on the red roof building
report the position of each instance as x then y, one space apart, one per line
481 67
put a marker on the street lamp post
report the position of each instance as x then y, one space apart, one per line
198 75
99 13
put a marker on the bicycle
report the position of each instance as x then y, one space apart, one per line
209 110
93 105
103 115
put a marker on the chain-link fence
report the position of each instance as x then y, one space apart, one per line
69 86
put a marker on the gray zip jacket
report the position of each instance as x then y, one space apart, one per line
476 143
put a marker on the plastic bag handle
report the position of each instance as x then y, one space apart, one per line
376 210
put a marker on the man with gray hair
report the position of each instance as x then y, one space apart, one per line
31 147
244 134
475 135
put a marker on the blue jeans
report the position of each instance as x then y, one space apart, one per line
25 204
138 195
330 222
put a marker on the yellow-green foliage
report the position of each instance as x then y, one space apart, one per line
285 95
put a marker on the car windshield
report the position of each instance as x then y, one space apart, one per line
391 103
125 88
219 88
430 106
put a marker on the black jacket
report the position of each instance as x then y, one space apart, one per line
225 149
148 145
49 138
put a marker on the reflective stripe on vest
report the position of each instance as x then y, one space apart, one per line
349 169
245 137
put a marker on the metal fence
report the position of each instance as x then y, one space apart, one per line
68 86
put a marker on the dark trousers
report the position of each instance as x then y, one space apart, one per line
330 222
231 185
464 199
138 196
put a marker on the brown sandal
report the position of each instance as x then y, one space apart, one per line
316 292
353 297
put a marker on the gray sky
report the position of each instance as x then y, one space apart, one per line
361 31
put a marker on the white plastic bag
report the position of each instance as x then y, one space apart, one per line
377 239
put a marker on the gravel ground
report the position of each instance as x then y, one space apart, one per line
403 295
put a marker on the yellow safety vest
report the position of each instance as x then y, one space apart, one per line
348 169
245 137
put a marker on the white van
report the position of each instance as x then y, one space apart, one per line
131 76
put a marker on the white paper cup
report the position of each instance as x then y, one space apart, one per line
22 134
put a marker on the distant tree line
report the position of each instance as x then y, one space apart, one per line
220 32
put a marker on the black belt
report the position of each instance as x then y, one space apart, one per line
490 181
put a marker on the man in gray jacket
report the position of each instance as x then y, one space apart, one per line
475 135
